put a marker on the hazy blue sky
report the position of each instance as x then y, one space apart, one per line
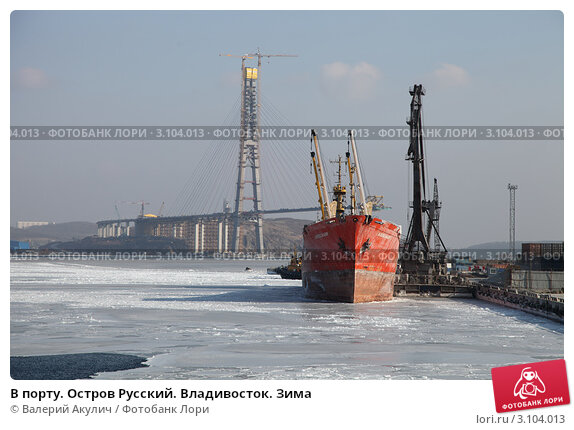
352 69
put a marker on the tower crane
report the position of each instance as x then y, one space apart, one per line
141 203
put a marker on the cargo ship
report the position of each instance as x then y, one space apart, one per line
349 255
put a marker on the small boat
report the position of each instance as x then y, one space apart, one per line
291 271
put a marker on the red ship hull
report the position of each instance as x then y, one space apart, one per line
350 259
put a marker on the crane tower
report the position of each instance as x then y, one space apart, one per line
512 223
417 257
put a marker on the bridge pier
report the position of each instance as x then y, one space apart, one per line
107 229
222 236
199 236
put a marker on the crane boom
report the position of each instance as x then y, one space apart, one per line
259 55
318 184
322 188
363 203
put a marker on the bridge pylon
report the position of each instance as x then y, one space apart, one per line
249 156
249 150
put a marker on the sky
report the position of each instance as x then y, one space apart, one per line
353 68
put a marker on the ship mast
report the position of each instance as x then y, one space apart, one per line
339 192
351 183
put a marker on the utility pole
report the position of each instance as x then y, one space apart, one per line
512 223
249 148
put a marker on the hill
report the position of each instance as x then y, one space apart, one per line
280 234
43 234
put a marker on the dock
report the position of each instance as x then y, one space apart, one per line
549 306
434 290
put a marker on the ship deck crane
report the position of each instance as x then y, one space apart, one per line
363 207
326 212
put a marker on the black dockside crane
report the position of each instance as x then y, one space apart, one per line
417 257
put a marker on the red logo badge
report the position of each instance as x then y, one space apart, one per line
529 386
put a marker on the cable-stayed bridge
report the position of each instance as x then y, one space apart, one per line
230 191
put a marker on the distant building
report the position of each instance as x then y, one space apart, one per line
540 268
538 280
26 224
542 256
464 264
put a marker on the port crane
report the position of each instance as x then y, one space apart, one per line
417 257
434 206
